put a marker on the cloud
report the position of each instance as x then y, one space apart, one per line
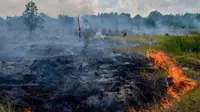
69 7
50 7
75 7
144 7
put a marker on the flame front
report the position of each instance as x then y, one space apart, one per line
178 84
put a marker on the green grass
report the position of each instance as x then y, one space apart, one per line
192 74
175 44
141 39
189 59
189 102
145 42
182 44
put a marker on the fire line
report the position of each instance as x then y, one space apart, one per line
178 84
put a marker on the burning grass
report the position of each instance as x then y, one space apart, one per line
178 84
187 57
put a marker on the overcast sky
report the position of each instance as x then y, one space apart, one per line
75 7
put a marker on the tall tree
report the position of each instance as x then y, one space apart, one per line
31 17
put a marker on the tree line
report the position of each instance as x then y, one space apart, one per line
107 22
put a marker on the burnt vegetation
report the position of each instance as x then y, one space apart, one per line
74 83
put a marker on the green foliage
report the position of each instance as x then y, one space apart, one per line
182 44
31 17
150 22
191 60
192 74
189 102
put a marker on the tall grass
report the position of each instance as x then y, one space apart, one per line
182 44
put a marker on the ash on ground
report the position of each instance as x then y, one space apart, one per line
86 81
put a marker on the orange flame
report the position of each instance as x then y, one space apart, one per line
27 109
165 103
179 83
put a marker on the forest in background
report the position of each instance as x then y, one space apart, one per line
109 24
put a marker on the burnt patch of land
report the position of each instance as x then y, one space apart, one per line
89 82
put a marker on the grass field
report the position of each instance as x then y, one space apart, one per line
185 51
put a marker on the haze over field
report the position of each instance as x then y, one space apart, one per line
75 7
99 18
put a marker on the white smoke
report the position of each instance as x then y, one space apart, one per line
81 7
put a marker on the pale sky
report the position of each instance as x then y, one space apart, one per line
75 7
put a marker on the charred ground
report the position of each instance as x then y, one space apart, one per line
93 82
